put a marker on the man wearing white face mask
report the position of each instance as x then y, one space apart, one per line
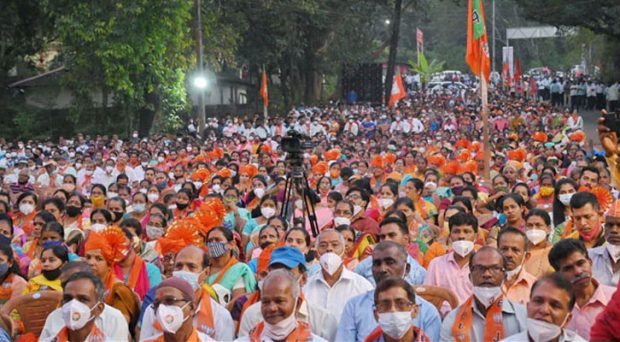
548 311
335 284
450 271
279 303
486 315
82 305
211 318
175 307
606 258
357 200
512 244
395 309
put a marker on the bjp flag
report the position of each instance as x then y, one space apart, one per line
263 90
477 55
398 90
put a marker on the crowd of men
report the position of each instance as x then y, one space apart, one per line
180 238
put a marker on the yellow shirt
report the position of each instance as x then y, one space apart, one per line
40 283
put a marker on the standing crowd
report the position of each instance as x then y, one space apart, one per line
180 238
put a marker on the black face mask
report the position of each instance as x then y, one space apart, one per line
182 206
51 274
118 215
4 269
73 211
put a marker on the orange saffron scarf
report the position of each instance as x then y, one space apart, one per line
300 334
95 335
493 325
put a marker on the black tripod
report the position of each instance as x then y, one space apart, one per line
297 183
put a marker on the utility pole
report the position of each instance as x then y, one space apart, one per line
201 94
389 76
493 38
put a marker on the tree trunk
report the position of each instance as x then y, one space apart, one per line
147 113
389 76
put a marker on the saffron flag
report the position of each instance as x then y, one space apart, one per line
477 55
398 90
263 90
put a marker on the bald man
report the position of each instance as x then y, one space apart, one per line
211 319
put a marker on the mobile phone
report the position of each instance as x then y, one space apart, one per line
612 121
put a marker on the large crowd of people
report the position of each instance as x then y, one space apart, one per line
181 238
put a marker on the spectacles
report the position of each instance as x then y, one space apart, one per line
495 269
399 304
168 301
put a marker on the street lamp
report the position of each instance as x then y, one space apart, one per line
387 21
200 82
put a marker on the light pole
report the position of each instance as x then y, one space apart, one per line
200 81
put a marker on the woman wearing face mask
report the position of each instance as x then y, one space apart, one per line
53 257
51 232
388 193
139 204
323 188
155 228
102 251
153 195
183 203
117 207
11 281
246 173
26 204
268 235
537 230
73 218
100 219
98 195
228 277
268 209
545 196
565 188
258 191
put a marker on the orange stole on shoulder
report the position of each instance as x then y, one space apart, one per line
300 334
493 327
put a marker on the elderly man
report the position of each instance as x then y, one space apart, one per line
548 310
358 321
393 229
487 315
512 244
82 304
570 257
110 321
322 323
279 302
606 258
174 305
335 284
211 318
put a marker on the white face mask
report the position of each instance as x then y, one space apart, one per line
463 247
139 207
26 208
76 314
386 202
98 227
143 191
154 232
339 220
259 192
514 273
160 159
217 188
395 324
198 184
172 207
330 262
177 187
280 330
565 198
109 169
536 236
153 197
171 317
614 251
541 331
299 204
487 295
267 212
112 194
357 209
190 277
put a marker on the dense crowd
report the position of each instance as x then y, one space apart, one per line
180 238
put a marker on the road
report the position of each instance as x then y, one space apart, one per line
589 124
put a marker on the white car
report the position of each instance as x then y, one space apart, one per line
444 86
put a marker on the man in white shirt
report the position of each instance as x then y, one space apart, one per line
335 284
189 264
417 126
351 126
399 126
109 321
107 175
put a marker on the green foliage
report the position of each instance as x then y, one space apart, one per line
426 69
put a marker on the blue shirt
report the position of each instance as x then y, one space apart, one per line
358 320
415 277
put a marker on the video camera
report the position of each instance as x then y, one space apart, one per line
295 142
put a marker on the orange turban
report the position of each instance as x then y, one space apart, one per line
450 168
464 156
395 176
540 137
224 173
320 168
389 158
112 243
614 209
437 160
333 154
377 161
313 159
201 174
578 136
249 169
210 214
519 154
462 143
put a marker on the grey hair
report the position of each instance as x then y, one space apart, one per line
340 237
278 274
383 245
99 289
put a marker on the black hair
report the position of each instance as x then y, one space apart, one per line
363 194
101 187
393 186
55 201
391 282
161 208
512 230
514 196
80 198
540 213
559 207
132 223
345 227
228 235
105 212
349 203
319 182
591 169
6 249
298 229
463 219
4 217
465 200
280 218
6 206
27 194
59 251
46 216
335 196
471 189
417 183
580 199
558 280
97 283
406 201
54 227
565 248
402 226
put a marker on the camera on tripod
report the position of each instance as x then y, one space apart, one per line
296 142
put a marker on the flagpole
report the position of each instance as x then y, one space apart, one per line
485 127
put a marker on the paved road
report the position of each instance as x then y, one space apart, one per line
589 124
